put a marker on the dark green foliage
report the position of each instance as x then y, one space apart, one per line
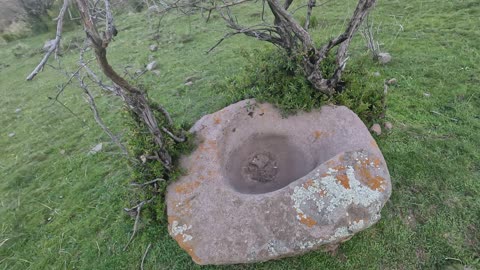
270 76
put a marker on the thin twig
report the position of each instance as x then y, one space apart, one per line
135 226
70 78
65 106
98 119
306 5
147 183
441 114
145 255
138 209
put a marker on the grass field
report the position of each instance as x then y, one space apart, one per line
61 208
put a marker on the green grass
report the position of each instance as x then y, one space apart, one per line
65 210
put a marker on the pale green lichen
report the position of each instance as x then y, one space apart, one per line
327 193
356 225
180 230
329 197
357 194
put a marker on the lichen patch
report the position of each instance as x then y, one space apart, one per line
364 167
177 229
323 197
343 180
310 222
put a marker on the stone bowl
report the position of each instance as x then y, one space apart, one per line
261 187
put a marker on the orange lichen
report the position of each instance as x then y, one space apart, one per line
317 134
339 168
373 143
376 183
343 179
310 222
308 183
212 144
373 182
376 162
217 120
187 187
202 147
331 162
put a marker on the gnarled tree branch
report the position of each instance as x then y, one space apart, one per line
295 39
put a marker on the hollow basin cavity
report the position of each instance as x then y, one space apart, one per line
265 163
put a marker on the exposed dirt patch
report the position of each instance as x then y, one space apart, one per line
262 167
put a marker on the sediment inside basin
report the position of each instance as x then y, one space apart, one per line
267 162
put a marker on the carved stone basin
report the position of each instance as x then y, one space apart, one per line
261 187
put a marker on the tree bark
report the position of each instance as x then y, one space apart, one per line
135 98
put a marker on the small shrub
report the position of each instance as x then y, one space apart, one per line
140 143
269 76
16 30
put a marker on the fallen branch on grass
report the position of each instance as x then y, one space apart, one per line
145 255
138 210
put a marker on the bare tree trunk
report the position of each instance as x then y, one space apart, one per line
134 97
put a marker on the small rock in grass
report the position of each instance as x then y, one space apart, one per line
426 94
376 74
18 110
97 148
191 79
153 48
62 152
392 81
384 58
388 126
376 129
11 134
189 83
152 65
